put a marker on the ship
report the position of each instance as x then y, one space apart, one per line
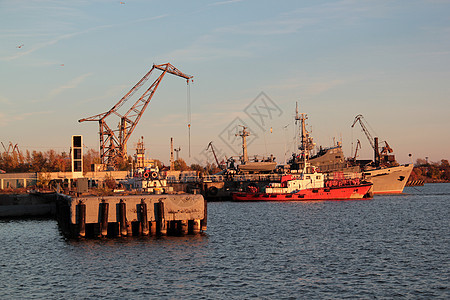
386 174
258 165
308 184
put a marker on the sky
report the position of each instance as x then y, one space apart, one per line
252 61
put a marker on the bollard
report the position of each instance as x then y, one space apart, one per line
143 217
121 217
103 217
81 219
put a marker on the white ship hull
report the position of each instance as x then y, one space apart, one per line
389 180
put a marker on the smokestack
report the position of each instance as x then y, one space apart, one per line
376 153
172 162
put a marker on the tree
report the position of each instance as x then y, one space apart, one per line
420 162
38 162
89 158
124 164
198 168
180 165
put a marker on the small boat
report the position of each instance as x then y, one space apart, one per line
308 186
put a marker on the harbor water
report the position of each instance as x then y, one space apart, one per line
387 247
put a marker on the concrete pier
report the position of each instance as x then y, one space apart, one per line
131 215
27 205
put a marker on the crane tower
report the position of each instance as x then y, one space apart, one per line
113 141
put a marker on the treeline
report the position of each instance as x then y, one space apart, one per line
431 172
49 161
209 169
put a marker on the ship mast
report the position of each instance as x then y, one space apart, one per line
244 134
306 143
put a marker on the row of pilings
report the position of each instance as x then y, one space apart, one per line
135 215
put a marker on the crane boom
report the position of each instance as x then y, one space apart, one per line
214 153
360 119
113 141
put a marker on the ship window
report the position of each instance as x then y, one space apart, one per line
308 177
317 177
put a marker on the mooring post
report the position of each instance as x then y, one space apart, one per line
143 217
184 227
121 217
197 226
204 221
103 211
81 219
159 218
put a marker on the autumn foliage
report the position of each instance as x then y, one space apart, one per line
37 161
431 172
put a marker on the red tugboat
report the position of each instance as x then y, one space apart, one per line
308 184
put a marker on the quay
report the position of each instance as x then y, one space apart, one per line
112 216
30 205
131 215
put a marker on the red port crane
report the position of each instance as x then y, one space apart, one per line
385 150
113 141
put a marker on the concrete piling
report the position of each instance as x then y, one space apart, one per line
121 218
138 215
81 218
103 217
143 217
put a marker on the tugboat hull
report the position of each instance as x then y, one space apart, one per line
357 192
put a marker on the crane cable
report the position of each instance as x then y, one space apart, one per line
189 115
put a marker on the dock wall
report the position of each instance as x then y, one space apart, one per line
131 215
27 205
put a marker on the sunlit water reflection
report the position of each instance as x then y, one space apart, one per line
391 246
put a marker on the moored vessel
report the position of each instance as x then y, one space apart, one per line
387 176
308 184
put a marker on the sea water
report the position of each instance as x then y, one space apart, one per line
387 247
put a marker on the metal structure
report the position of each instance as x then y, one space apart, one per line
306 143
361 120
219 165
11 148
113 141
244 134
379 156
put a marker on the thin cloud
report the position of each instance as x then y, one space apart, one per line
39 46
4 100
268 27
206 48
70 85
309 86
224 2
5 119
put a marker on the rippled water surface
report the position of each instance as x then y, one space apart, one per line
388 247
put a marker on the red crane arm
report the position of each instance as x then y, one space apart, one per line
112 146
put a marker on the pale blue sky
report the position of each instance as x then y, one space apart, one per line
387 60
